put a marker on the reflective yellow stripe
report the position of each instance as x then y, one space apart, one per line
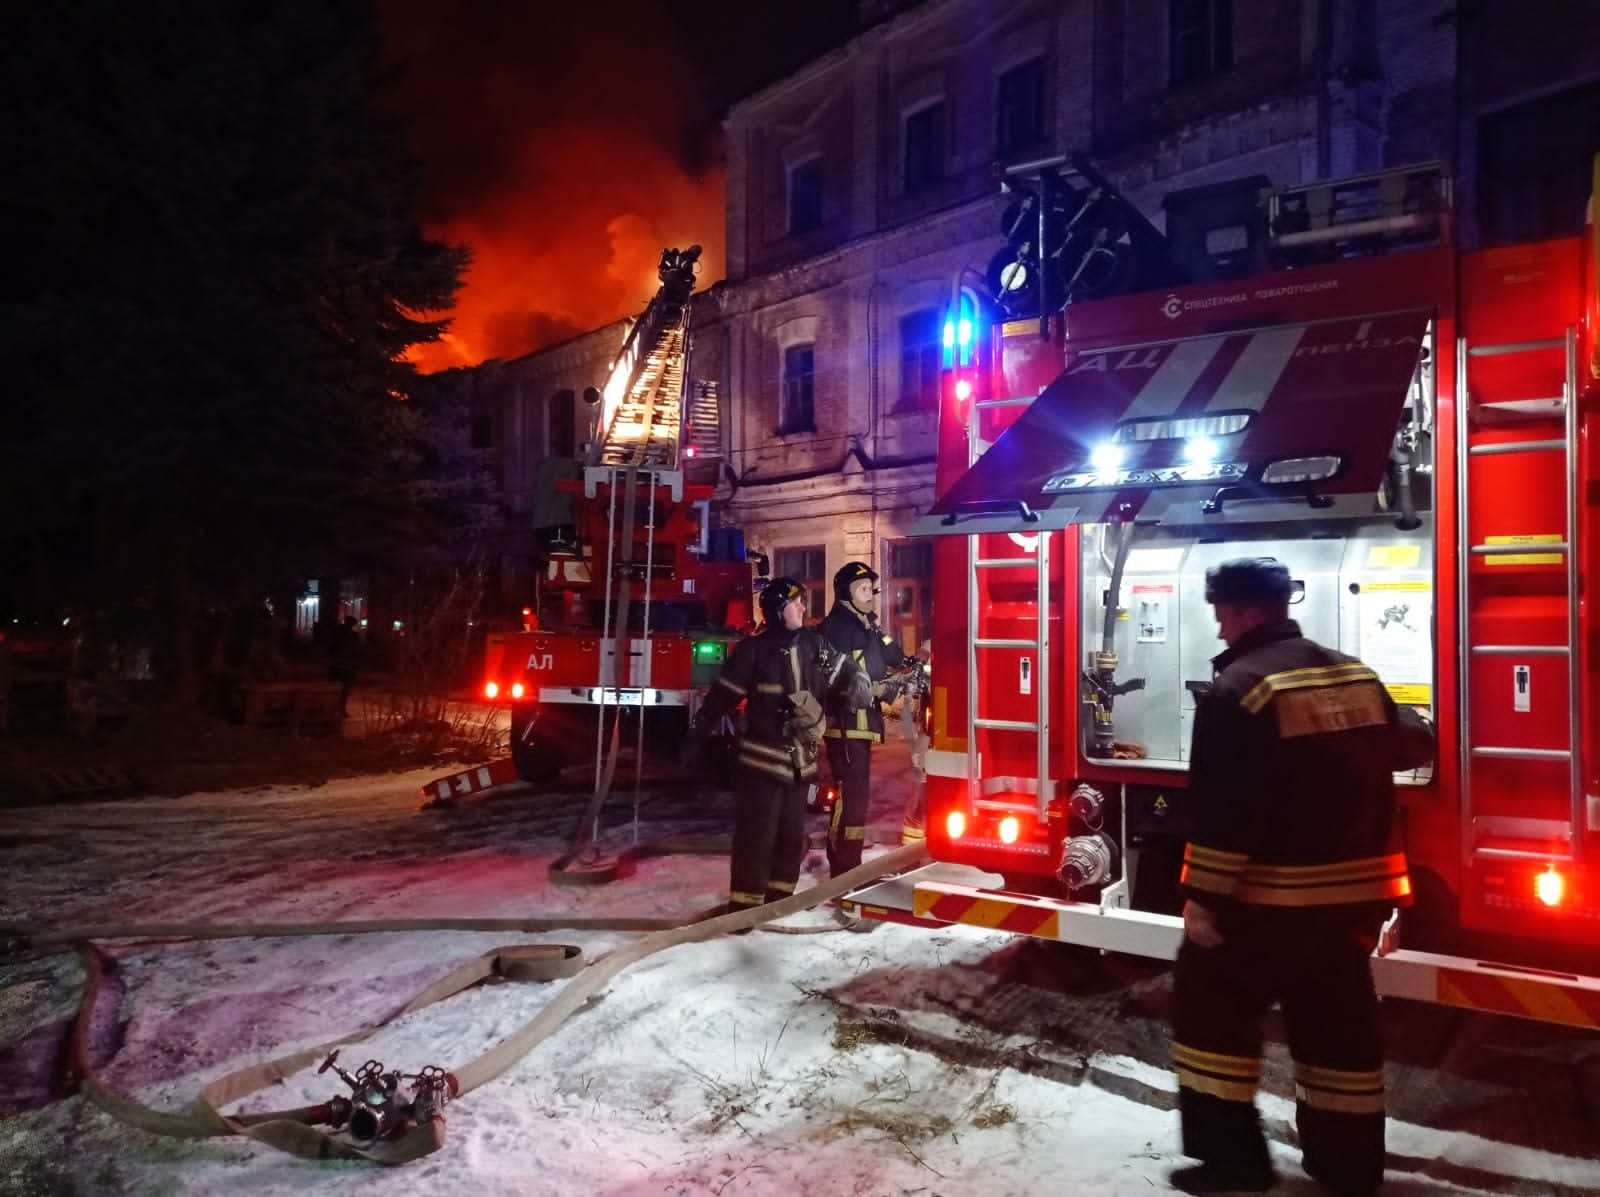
771 768
1367 879
1340 1103
910 834
1312 675
744 897
1339 870
734 686
1199 1082
757 748
1243 1067
768 688
834 733
855 833
1214 858
1339 1078
1211 869
1386 889
781 887
1209 882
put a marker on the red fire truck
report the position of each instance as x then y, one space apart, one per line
1412 430
642 598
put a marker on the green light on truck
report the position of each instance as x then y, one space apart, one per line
710 651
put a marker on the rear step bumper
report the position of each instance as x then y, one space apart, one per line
941 894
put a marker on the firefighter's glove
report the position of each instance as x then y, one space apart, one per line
806 720
854 690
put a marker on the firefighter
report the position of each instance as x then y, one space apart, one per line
1289 871
851 627
784 675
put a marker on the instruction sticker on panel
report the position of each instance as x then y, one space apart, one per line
1150 604
1523 558
1397 638
1522 688
1025 676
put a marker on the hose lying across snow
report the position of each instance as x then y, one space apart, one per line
292 1130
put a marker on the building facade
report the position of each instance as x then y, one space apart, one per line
859 187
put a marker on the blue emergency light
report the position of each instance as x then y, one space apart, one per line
960 333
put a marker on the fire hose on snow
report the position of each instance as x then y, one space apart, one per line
377 1122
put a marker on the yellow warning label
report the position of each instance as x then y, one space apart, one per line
1415 694
1394 556
1524 558
1397 586
1018 328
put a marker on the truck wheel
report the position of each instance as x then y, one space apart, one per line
534 762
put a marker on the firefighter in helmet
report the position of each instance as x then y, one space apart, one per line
1290 869
851 627
784 675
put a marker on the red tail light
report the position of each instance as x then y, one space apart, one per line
517 690
492 690
955 824
1550 887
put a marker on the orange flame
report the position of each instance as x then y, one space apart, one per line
561 155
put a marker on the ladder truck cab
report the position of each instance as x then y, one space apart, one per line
641 599
1411 430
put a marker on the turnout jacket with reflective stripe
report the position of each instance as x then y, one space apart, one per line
866 645
1291 778
761 675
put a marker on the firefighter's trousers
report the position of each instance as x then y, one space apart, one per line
1315 963
769 838
850 761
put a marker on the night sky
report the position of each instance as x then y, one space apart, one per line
565 146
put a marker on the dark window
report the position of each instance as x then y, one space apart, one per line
1534 164
805 196
908 612
1199 39
808 566
482 430
1019 108
919 361
799 395
911 559
563 424
924 147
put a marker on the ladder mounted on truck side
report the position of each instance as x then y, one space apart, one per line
1498 835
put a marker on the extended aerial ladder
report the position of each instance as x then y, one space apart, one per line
626 536
637 452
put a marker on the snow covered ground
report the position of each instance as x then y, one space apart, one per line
898 1062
